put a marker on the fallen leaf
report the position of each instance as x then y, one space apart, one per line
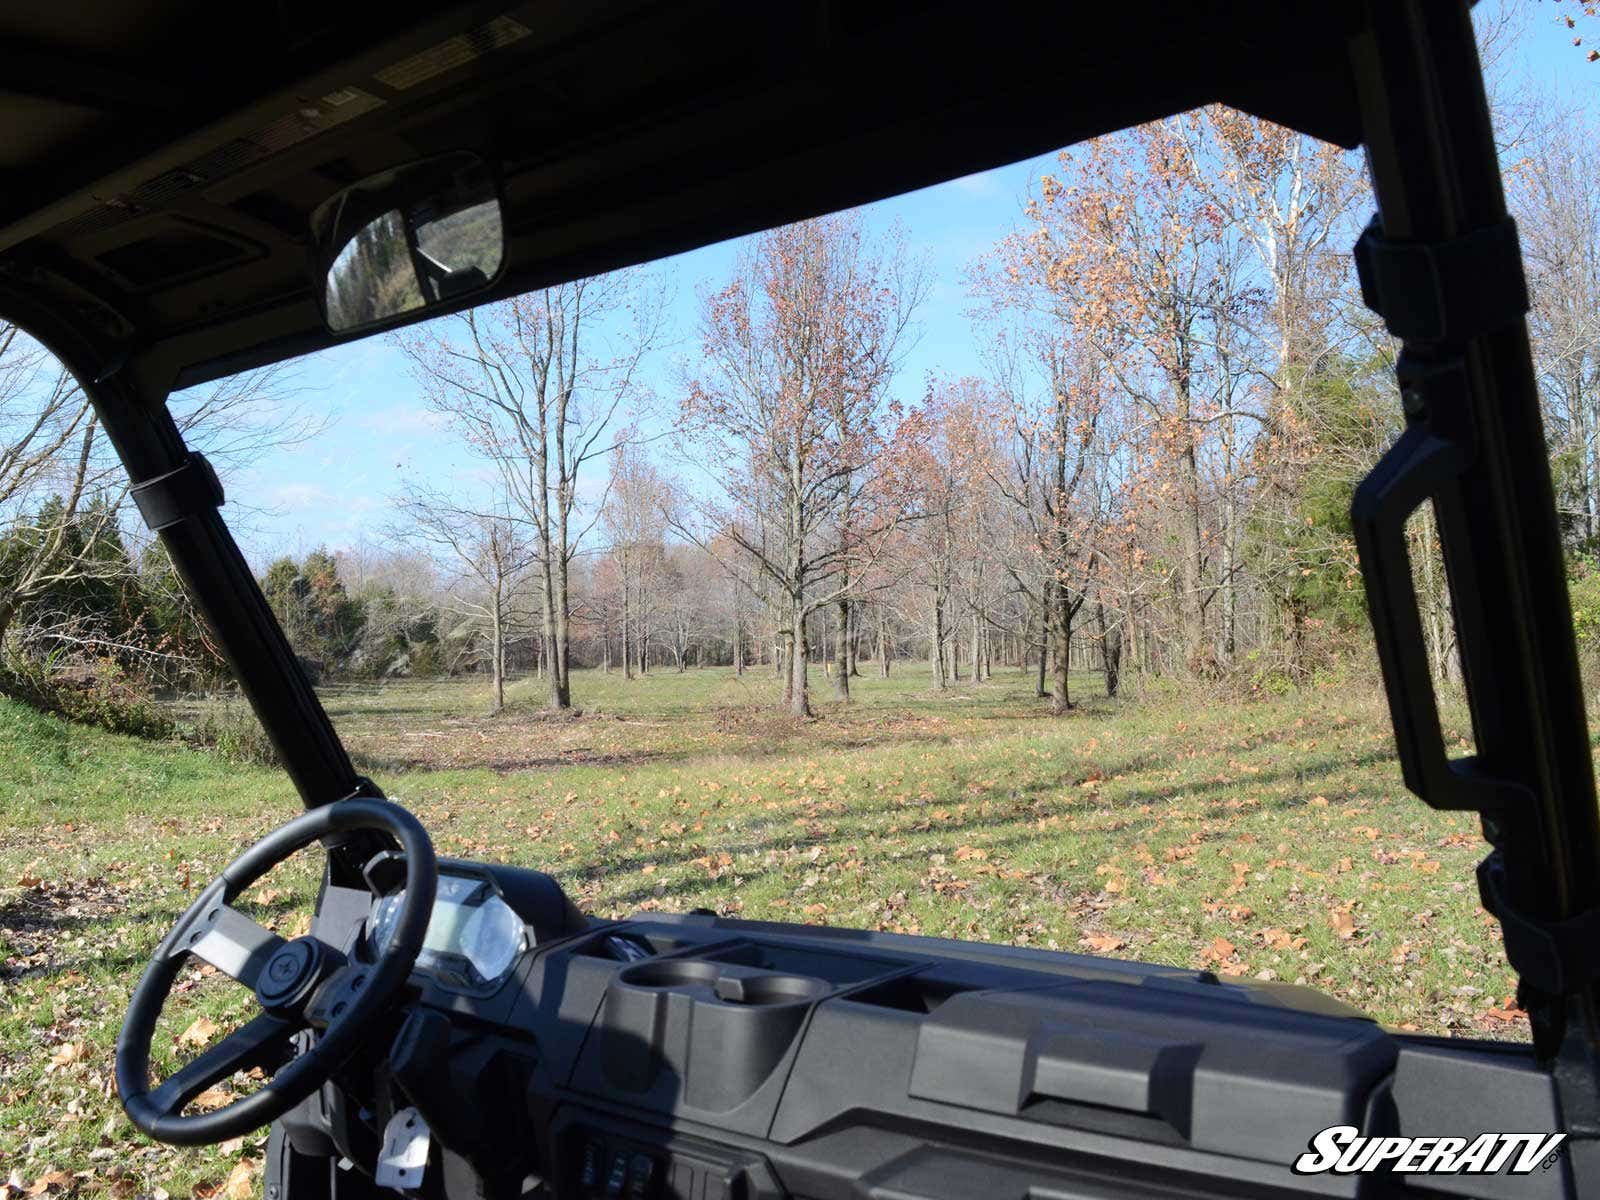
1102 943
240 1184
199 1033
212 1097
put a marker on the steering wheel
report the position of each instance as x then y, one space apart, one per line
303 984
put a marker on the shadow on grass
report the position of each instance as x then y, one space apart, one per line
1011 829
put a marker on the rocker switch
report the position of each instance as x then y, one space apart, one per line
617 1180
641 1175
593 1164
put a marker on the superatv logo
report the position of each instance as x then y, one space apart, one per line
1343 1150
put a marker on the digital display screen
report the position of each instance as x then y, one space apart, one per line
453 907
472 934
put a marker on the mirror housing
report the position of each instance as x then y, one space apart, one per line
406 240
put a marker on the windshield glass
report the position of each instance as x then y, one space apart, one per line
974 564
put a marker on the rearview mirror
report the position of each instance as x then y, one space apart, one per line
408 239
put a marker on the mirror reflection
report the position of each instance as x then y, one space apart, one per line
408 240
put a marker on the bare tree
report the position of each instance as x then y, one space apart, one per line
489 552
62 494
536 384
1558 215
634 518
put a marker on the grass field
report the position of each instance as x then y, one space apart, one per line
1269 839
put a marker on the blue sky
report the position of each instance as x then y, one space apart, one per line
333 488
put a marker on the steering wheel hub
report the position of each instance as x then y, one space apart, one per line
292 974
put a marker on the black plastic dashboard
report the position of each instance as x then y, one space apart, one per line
698 1058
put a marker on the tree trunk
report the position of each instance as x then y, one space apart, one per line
1110 650
561 684
1060 697
1190 607
1230 589
497 652
738 647
936 642
627 649
799 699
841 650
1044 637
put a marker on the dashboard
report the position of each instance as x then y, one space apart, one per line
691 1057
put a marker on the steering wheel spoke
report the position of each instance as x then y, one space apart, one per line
337 995
261 1042
230 941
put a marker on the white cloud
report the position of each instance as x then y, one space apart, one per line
300 496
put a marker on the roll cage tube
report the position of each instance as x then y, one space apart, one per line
178 495
1440 264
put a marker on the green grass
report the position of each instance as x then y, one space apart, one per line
1269 839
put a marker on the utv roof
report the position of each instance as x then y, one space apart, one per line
159 160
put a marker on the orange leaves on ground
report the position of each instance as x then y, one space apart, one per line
1222 955
1506 1011
1281 939
1240 879
970 854
240 1184
50 1181
715 865
1102 943
1343 921
199 1033
68 1053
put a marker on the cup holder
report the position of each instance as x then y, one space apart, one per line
704 1031
725 983
673 973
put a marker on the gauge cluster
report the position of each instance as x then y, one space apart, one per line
474 937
